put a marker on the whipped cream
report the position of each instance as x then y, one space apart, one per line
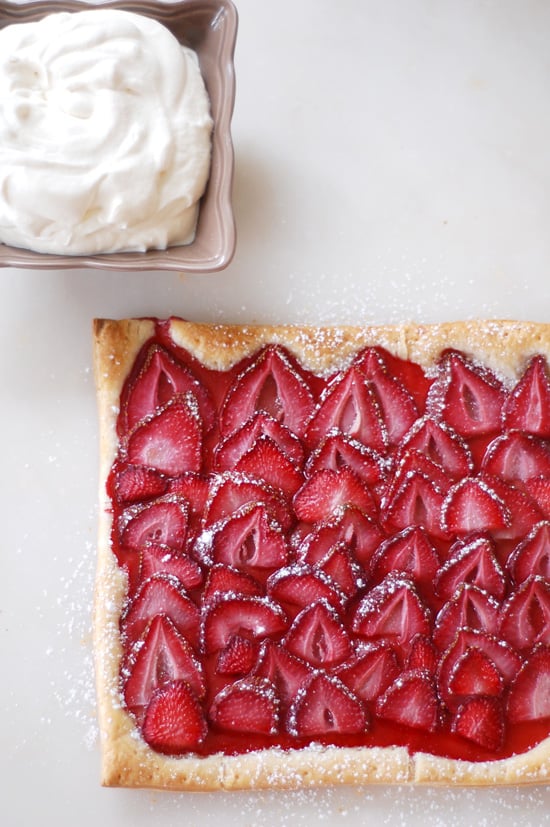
105 134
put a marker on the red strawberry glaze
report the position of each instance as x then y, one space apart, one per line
314 553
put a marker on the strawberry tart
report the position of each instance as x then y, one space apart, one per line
324 554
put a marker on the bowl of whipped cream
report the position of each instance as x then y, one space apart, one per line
115 135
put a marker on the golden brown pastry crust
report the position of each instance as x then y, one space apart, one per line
504 346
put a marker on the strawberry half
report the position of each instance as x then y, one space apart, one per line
532 554
159 657
228 452
349 405
349 526
271 384
318 636
471 397
523 512
481 720
392 611
411 700
230 491
439 443
516 456
471 608
475 673
170 442
327 491
238 657
339 451
286 672
163 522
133 483
526 614
265 461
301 585
471 561
370 673
394 401
161 379
506 659
174 722
252 617
472 505
226 580
325 706
161 594
248 705
247 539
418 502
529 698
410 552
528 406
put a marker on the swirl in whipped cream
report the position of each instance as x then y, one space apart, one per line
105 132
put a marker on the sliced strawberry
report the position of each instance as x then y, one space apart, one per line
532 554
360 534
325 706
327 491
411 552
539 491
481 720
265 461
171 441
161 379
342 570
523 512
526 614
471 396
392 611
471 505
529 698
418 502
231 491
407 373
193 488
439 443
248 705
238 656
516 456
506 659
415 462
134 483
471 561
371 671
161 594
247 539
251 617
156 558
472 608
226 580
163 521
161 655
286 672
349 405
394 401
422 655
411 700
230 450
300 585
339 451
475 673
174 721
528 406
271 384
318 636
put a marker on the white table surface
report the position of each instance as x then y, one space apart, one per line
393 163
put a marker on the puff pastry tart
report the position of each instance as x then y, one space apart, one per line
324 554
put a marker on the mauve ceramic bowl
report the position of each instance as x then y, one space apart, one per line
210 28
